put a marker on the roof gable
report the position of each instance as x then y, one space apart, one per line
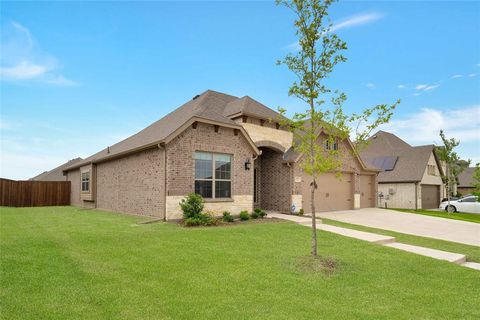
411 163
208 107
250 107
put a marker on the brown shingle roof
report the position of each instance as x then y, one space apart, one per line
411 163
210 105
56 174
465 178
251 107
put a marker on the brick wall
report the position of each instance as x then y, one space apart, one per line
181 166
132 184
275 181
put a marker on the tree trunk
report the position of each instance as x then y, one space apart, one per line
448 188
314 218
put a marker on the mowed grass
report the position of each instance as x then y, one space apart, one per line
68 263
470 217
472 252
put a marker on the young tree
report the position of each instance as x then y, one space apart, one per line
453 164
320 51
476 181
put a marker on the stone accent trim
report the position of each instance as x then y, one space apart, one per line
238 203
356 201
297 202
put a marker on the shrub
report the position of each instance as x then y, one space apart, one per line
227 217
192 221
203 219
208 219
255 215
301 212
244 215
260 212
192 205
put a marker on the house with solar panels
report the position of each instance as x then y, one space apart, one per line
410 176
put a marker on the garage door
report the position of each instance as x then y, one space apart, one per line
366 192
430 196
332 193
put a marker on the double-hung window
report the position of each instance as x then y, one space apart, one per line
328 145
213 175
86 181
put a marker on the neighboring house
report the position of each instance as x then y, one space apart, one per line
229 150
57 173
411 176
465 181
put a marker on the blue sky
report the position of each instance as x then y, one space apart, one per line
77 77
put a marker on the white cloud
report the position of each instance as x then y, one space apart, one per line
62 81
401 86
416 94
457 76
426 87
370 85
23 60
22 71
432 87
471 75
424 126
351 21
356 20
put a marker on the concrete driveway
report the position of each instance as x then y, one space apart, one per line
414 224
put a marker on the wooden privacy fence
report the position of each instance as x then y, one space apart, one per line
34 193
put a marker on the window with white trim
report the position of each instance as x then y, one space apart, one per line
213 175
86 181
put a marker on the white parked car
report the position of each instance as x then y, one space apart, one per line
468 204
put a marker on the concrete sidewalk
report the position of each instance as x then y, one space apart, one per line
380 239
414 224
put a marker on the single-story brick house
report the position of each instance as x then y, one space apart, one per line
230 150
410 177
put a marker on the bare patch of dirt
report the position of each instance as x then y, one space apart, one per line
316 265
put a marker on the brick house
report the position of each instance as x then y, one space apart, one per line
410 177
228 149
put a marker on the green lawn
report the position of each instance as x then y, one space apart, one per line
472 252
68 263
471 217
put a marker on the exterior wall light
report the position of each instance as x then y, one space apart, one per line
247 164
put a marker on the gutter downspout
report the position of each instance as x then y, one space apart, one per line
164 148
416 195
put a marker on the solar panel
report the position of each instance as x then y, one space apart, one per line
385 163
389 163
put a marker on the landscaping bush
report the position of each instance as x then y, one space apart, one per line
192 206
244 215
260 212
203 219
255 215
301 212
227 217
192 221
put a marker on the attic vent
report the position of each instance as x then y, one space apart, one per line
196 97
